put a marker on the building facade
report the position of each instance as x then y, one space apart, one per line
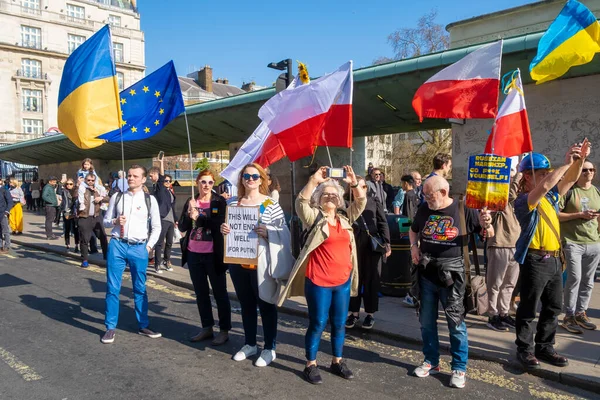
37 37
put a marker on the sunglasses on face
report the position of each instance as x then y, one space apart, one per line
330 195
588 170
69 183
90 180
167 181
254 177
206 182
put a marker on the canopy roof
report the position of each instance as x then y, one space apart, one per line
382 105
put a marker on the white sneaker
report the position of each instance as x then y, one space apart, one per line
425 370
245 352
266 357
458 379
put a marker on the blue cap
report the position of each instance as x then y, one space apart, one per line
535 160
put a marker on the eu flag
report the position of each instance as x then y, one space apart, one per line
149 105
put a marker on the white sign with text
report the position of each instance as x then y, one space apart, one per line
241 244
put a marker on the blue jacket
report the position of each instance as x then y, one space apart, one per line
529 221
6 202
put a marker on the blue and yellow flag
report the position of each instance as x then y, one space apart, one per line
149 105
572 39
88 98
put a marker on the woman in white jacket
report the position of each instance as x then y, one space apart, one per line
260 284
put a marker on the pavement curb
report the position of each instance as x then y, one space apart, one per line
513 364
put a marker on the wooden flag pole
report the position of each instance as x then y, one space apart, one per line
187 128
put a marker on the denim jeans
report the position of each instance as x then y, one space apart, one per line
541 281
119 255
431 296
582 261
202 269
326 303
245 282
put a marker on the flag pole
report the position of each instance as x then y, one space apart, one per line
187 128
532 168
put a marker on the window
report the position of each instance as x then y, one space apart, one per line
31 37
35 126
31 6
118 50
370 154
114 20
120 80
381 153
32 100
381 139
75 13
74 42
31 68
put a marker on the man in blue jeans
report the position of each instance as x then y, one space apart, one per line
437 236
135 220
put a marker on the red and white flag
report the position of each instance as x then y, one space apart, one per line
511 135
468 88
315 114
262 147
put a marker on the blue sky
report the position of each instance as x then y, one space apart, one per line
238 38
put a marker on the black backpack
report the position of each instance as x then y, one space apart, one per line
306 232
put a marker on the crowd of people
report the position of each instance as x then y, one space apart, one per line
345 242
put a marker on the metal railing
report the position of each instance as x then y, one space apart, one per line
31 74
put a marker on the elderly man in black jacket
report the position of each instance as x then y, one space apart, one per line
6 204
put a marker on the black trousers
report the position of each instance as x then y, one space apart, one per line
202 269
87 227
70 226
50 217
541 281
166 235
369 276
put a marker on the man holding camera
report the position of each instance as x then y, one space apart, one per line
439 232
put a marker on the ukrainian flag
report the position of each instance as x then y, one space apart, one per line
572 39
88 98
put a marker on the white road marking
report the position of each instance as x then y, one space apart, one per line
26 372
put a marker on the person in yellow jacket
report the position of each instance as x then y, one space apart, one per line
15 219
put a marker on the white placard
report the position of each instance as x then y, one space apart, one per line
241 244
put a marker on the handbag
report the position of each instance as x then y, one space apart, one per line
476 296
177 234
377 244
35 194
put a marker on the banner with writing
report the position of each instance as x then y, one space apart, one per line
488 182
241 244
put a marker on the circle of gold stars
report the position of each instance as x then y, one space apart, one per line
132 93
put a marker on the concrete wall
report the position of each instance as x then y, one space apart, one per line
560 113
103 168
529 18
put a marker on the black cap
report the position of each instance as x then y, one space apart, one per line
52 178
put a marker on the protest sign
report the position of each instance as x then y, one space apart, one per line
241 244
488 182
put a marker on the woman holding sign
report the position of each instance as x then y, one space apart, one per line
259 284
202 249
326 271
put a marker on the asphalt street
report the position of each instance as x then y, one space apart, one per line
52 317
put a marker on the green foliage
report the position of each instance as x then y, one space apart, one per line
202 164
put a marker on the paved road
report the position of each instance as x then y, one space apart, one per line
51 314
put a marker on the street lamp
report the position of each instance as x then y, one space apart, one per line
284 65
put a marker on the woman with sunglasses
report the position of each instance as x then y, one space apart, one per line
260 284
69 211
326 271
202 250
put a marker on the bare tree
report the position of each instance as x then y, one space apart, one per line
416 152
427 37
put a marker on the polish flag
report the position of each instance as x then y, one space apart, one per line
466 89
316 114
511 135
262 147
